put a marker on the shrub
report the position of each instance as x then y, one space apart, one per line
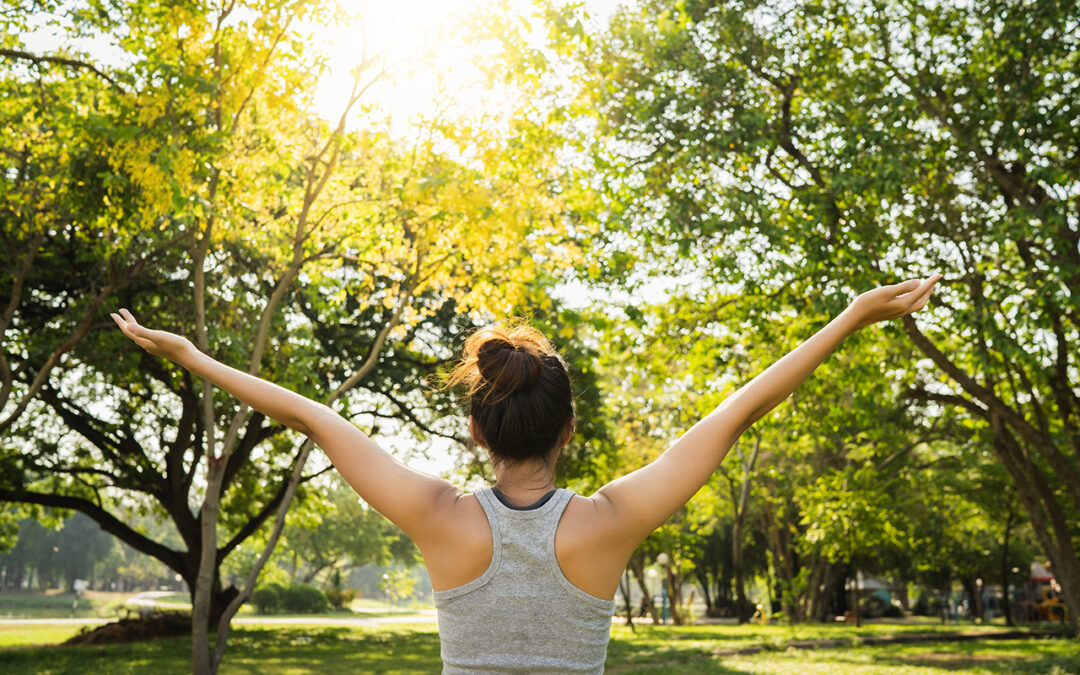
340 598
268 599
304 599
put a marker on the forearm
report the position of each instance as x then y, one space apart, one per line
754 400
287 407
654 492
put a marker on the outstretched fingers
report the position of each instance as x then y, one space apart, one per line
904 287
920 295
131 328
128 316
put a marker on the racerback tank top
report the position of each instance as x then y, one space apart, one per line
522 615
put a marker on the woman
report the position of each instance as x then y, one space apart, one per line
524 573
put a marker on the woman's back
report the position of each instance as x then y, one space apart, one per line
522 613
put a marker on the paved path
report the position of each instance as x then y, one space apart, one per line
53 622
150 599
424 616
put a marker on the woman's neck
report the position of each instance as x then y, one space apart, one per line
524 482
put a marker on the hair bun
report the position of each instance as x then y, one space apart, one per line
519 392
507 367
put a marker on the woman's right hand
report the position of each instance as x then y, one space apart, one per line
157 342
894 301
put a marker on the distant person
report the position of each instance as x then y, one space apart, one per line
525 573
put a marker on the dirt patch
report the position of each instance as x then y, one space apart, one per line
149 627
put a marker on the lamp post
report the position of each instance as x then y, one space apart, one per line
978 600
663 560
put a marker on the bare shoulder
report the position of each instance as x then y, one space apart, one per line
457 517
590 556
457 543
587 520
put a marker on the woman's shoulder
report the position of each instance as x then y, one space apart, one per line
463 551
586 558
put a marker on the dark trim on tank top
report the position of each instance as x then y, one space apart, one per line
531 507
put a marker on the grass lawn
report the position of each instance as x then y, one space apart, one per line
415 649
35 634
58 605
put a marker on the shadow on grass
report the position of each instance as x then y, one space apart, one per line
333 650
1053 655
299 650
661 650
1049 656
404 649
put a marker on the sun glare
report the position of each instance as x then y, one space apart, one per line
429 63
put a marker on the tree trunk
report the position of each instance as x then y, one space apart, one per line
784 564
674 587
1047 516
202 659
220 597
1006 605
703 581
737 571
855 597
637 566
812 597
736 533
624 587
970 589
825 597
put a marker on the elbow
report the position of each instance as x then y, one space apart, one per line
311 419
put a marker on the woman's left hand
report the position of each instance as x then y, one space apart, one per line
894 301
157 342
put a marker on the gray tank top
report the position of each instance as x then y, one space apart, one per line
522 615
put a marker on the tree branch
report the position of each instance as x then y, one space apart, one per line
60 60
106 520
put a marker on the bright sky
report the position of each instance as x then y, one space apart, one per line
407 35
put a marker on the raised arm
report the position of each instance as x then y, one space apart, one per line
631 507
411 499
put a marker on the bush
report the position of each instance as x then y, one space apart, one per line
304 599
268 599
340 598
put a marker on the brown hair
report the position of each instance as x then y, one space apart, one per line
518 391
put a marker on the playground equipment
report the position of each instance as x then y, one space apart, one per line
1044 601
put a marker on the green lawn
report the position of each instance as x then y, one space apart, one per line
58 605
35 634
415 649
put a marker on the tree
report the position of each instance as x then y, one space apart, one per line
398 584
814 149
339 533
52 556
